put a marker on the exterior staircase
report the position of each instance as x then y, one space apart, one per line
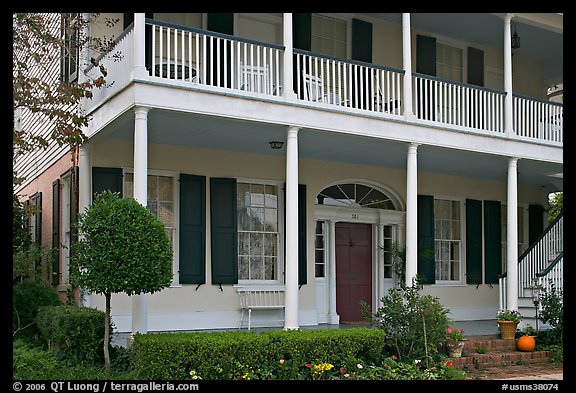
492 351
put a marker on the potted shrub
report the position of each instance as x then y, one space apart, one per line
454 340
508 321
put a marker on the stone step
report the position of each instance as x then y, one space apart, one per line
491 351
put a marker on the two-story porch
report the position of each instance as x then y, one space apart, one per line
370 155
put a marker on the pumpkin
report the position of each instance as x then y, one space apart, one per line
526 343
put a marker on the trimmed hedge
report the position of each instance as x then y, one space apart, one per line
27 297
76 334
248 355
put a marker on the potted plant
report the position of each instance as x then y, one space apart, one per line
508 321
454 340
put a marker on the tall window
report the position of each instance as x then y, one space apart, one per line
449 63
448 239
320 250
388 251
328 35
70 51
257 231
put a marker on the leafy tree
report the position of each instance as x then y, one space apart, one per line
556 204
38 88
123 248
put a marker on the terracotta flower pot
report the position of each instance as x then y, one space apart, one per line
455 348
508 329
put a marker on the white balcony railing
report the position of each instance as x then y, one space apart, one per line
219 62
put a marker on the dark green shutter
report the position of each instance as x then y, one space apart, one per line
192 253
302 224
535 222
475 67
220 22
492 241
302 31
426 254
426 55
473 241
361 40
223 223
55 232
106 179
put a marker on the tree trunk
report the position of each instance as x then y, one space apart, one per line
107 336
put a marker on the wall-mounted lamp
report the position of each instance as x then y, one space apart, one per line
515 39
276 144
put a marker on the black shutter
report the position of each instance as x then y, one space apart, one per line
55 279
192 253
361 40
426 254
302 31
492 241
426 55
475 67
106 179
535 222
302 224
220 22
473 241
223 222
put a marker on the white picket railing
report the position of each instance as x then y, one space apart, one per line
542 120
553 278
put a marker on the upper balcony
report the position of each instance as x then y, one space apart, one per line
188 57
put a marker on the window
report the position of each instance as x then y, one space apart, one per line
160 199
521 238
70 51
388 251
354 195
449 64
328 35
448 239
258 237
320 249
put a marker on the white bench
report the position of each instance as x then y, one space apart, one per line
264 298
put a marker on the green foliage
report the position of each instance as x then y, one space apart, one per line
413 324
553 308
27 298
555 206
123 248
76 334
29 362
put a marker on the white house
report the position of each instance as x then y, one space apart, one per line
292 151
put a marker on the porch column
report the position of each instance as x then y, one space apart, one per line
411 214
291 301
85 194
333 317
139 37
407 65
287 79
508 76
140 302
380 264
512 237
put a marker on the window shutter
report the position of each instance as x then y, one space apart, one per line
426 254
106 179
223 223
535 222
492 241
361 40
473 241
55 232
302 31
302 257
426 55
475 66
220 22
192 253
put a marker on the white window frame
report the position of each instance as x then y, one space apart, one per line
461 279
280 245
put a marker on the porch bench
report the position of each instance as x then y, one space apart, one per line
259 298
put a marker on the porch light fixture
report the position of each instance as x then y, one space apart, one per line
536 300
515 39
276 144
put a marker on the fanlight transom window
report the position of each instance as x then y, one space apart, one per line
354 195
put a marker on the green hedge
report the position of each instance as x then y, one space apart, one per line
27 297
247 355
76 334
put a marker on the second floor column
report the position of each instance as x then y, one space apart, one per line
412 214
287 76
508 125
140 302
407 65
291 275
139 37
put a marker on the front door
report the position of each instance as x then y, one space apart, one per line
353 269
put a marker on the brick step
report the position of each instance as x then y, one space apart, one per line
497 353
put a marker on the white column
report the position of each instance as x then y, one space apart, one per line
512 237
139 37
407 65
140 302
508 76
287 80
291 300
85 194
411 214
333 317
380 264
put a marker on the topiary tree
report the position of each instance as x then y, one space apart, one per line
122 248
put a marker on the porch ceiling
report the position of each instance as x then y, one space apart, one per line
208 132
